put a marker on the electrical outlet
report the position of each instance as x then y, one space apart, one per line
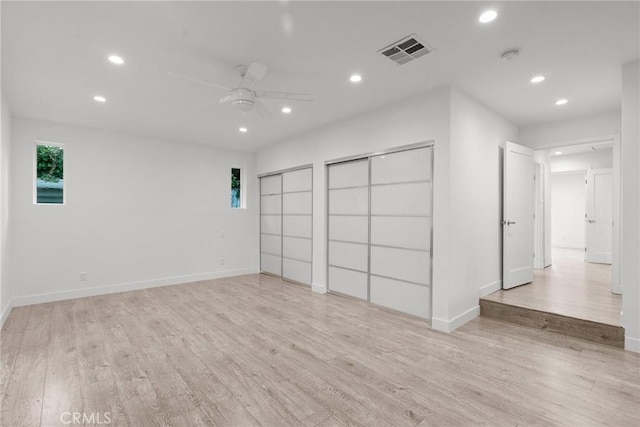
83 276
221 261
221 233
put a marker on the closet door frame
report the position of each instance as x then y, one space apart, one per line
281 173
368 157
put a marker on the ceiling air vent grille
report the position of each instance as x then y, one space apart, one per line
406 50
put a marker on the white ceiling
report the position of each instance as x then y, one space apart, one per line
54 61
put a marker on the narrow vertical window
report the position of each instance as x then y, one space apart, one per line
236 189
49 174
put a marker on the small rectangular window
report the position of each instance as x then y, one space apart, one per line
49 174
236 188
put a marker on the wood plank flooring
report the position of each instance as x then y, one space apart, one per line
253 350
570 287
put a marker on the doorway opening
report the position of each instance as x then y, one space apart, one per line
574 239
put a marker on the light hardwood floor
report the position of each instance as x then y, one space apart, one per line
253 350
570 287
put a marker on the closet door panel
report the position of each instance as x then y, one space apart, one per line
349 228
407 232
296 203
401 199
296 225
348 282
271 264
300 180
349 201
296 270
401 296
297 248
410 165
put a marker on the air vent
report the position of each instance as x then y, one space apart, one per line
406 50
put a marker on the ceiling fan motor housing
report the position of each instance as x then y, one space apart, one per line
243 99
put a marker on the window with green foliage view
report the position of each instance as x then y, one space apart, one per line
49 174
236 199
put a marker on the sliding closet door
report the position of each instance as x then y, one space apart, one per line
400 263
348 245
271 224
296 225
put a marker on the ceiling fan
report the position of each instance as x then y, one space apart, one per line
243 97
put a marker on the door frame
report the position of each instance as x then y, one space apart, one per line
616 286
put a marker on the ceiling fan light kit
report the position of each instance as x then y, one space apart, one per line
243 98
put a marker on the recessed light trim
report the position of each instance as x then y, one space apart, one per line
243 129
562 101
286 110
488 16
355 78
99 98
538 79
116 59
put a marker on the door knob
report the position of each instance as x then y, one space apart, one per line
508 222
590 221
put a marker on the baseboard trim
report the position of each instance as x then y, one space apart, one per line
123 287
320 289
490 288
5 313
632 344
453 324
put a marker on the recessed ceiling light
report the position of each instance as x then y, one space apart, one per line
116 59
488 16
243 130
537 79
99 98
286 110
561 101
355 78
557 153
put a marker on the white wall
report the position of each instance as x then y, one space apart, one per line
568 204
630 209
551 134
568 195
139 212
5 154
465 258
477 143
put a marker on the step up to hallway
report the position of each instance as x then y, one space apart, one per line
580 328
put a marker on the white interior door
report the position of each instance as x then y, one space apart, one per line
599 216
348 221
518 215
297 207
400 267
271 224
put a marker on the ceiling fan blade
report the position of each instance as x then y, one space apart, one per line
262 110
226 99
205 105
197 81
284 95
256 71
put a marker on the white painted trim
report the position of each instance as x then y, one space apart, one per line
123 287
632 344
490 288
321 289
456 322
5 313
579 141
